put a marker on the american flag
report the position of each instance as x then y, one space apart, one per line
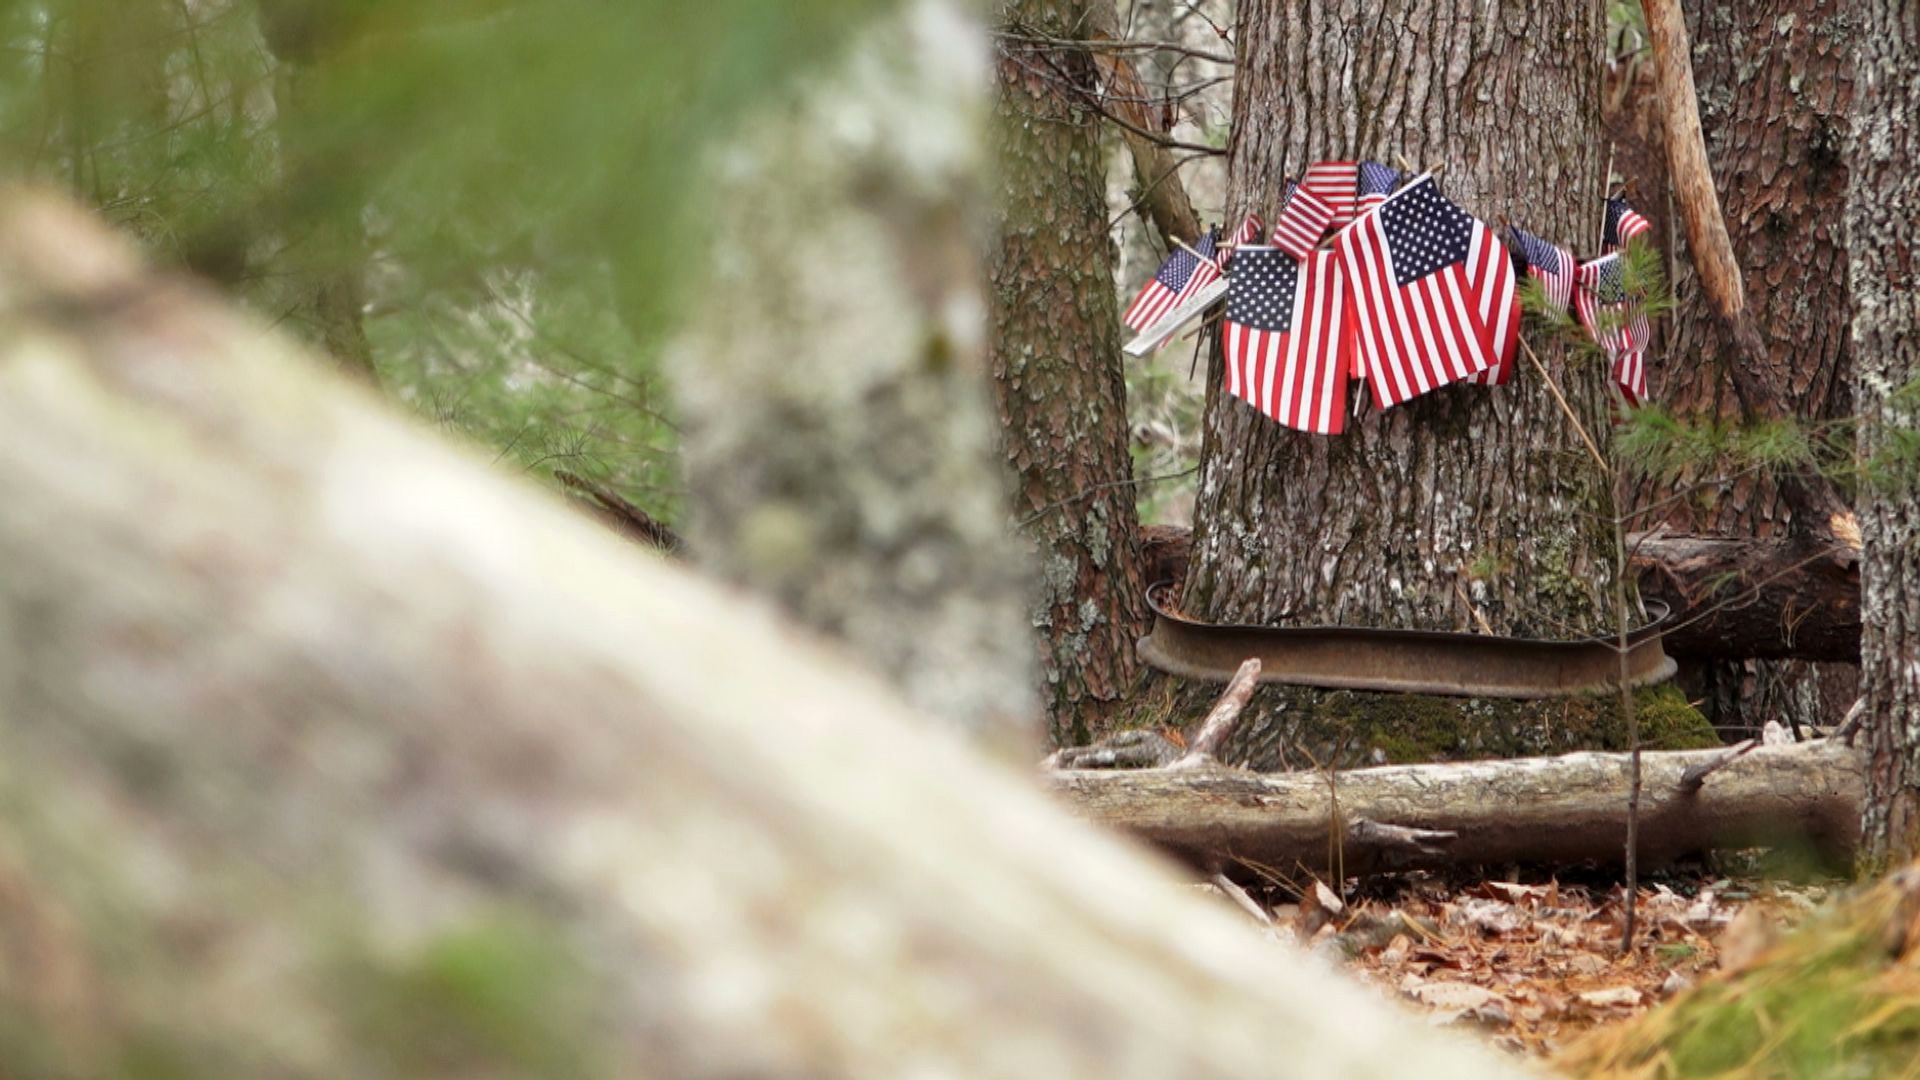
1183 274
1412 268
1249 233
1623 224
1616 324
1491 280
1376 183
1302 222
1335 183
1287 337
1549 264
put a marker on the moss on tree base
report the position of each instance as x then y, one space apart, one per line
1290 727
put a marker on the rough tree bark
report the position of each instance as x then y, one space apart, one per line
1057 376
838 434
1778 602
1883 225
1775 82
1469 507
308 775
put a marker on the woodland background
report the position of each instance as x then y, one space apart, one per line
324 751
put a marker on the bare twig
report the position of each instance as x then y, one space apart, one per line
1089 492
1696 775
1239 896
1363 833
1226 712
1553 387
1128 46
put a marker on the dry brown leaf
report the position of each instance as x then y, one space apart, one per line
1453 995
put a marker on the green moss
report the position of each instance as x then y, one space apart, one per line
503 997
1295 727
1157 704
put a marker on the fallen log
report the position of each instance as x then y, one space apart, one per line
1541 811
1781 601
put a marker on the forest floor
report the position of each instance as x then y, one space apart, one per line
1532 965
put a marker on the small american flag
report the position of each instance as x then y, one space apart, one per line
1287 337
1623 224
1249 233
1494 285
1412 268
1549 264
1376 183
1183 274
1335 183
1615 322
1302 222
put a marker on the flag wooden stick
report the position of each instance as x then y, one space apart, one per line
1184 246
1553 387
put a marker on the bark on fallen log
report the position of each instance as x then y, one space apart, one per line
1780 601
1542 811
1803 609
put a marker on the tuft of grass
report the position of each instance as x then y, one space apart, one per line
1838 997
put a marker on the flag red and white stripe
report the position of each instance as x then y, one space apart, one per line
1615 323
1491 278
1553 266
1623 224
1301 224
1335 183
1184 273
1248 233
1287 337
1410 280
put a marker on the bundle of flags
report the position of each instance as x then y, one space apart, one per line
1411 294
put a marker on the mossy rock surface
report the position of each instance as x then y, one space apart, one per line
1287 727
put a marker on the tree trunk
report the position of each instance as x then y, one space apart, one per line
1470 507
1057 375
1883 225
1772 600
1775 82
308 775
837 431
1536 811
1467 491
